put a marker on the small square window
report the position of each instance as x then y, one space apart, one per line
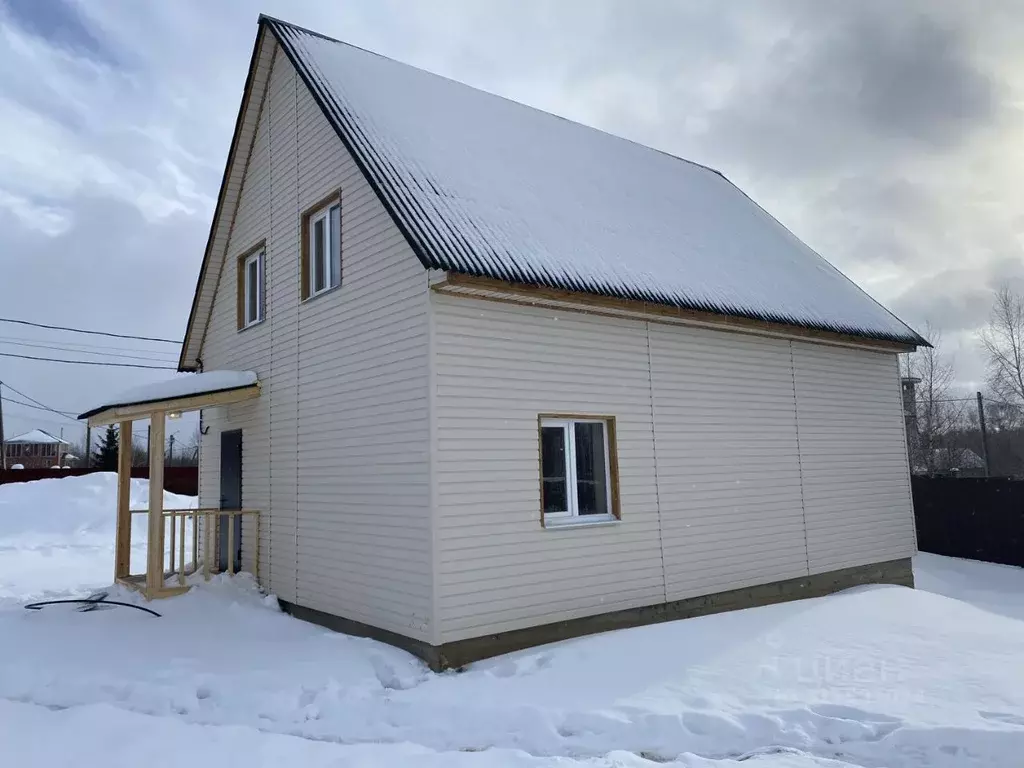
577 461
251 287
321 249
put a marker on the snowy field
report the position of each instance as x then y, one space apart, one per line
880 676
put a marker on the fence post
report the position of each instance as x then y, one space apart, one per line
984 433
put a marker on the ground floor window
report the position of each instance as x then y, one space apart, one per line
578 469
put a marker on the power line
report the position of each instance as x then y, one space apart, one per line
83 346
59 348
90 362
12 401
83 330
44 406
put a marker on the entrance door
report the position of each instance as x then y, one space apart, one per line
230 495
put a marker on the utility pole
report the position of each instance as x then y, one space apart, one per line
984 433
3 445
170 463
88 446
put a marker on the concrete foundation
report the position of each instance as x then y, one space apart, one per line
463 652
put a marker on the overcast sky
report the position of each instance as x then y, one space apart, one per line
886 134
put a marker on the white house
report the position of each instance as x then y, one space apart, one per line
520 379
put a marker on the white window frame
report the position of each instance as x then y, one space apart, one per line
572 516
256 258
332 280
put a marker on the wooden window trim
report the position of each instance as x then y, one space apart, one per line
304 256
240 277
611 436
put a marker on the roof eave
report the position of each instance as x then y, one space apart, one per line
536 293
114 412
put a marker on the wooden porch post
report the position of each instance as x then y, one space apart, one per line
155 550
123 538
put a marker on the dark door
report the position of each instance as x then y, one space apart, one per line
230 495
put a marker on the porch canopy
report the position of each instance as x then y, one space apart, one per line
188 392
155 402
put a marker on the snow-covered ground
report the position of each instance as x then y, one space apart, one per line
880 676
57 536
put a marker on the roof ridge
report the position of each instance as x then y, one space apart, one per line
35 429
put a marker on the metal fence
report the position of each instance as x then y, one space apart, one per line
976 518
181 480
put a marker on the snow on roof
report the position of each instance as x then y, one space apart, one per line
185 385
485 186
37 436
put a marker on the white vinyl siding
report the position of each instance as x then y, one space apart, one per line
711 456
335 451
497 368
728 464
854 457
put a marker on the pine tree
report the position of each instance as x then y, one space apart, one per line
105 458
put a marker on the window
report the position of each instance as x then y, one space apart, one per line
253 298
252 286
321 248
578 470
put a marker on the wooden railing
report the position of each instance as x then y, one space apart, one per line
183 529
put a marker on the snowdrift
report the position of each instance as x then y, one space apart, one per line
57 536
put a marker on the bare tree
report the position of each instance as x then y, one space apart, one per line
192 447
1003 342
939 412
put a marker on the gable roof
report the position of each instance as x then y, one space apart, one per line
37 436
484 186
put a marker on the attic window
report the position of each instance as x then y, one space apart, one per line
321 248
251 286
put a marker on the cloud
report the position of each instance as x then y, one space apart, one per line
47 219
885 135
855 89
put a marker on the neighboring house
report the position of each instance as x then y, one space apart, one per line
520 379
35 450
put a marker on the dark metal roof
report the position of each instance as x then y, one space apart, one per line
484 186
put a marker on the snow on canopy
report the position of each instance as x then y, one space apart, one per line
37 436
185 385
485 186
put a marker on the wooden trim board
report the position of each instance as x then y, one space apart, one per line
191 403
490 289
123 535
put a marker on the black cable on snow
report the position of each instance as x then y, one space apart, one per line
91 602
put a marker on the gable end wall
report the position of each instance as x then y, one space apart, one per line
335 451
